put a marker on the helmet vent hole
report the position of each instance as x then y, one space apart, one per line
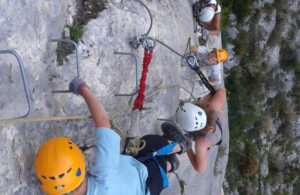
44 177
196 123
78 172
200 113
59 187
196 118
70 143
70 147
61 175
52 178
69 170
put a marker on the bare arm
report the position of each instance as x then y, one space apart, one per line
204 101
217 101
98 112
216 23
200 158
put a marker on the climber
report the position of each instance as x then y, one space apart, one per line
207 14
203 123
211 59
166 161
60 165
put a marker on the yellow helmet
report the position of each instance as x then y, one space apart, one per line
221 55
59 166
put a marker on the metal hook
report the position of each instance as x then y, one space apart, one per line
144 38
148 43
67 41
24 79
136 73
190 60
151 19
188 46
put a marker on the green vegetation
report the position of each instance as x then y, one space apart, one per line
86 11
240 8
248 165
251 112
275 36
75 33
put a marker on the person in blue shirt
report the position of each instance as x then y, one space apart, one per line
61 169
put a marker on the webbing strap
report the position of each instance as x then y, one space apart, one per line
166 149
139 101
162 173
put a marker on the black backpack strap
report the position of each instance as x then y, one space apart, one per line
196 9
217 5
220 127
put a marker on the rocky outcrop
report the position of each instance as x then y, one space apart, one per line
265 42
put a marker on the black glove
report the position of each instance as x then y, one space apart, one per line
76 85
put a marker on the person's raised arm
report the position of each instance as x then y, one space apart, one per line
98 112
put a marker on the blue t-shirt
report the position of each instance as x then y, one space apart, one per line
113 173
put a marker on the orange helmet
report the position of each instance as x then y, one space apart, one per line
221 55
59 166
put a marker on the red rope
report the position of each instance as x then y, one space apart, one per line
139 100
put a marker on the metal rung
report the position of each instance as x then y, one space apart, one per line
24 79
67 41
136 73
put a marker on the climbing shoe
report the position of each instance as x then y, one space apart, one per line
173 160
173 133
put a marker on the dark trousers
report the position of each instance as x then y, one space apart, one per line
154 180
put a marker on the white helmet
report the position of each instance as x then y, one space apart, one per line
190 117
206 14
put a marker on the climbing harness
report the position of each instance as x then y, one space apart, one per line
24 79
135 90
190 60
67 41
161 152
134 149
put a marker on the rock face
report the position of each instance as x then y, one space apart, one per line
26 26
269 51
